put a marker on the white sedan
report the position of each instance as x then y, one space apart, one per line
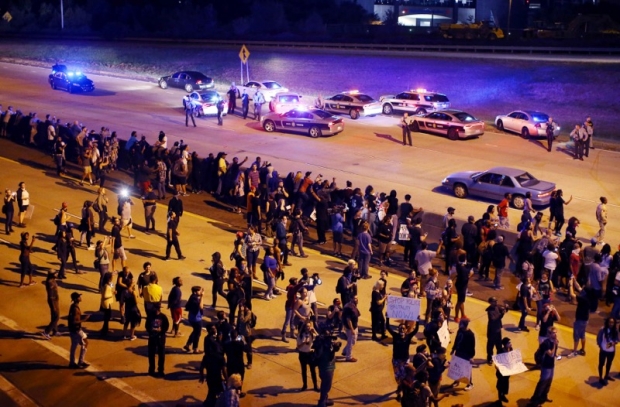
268 88
526 123
205 102
284 101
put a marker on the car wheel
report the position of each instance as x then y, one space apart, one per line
415 127
163 84
525 133
460 190
53 85
189 88
518 201
387 109
420 111
315 132
453 134
354 114
269 126
500 125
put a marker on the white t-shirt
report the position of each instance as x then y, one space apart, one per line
424 259
550 259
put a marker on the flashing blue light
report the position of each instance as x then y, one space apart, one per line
70 73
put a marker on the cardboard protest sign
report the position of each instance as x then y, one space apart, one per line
444 335
459 369
403 308
510 363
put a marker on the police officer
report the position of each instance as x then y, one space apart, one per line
258 99
588 126
157 325
406 130
579 136
189 110
220 110
549 130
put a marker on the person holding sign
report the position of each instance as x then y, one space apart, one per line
494 328
464 348
503 382
401 340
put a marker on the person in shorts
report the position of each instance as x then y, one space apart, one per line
117 243
78 336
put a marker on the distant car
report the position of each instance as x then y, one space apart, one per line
416 101
495 182
71 81
284 101
205 102
269 89
187 80
452 123
526 123
353 103
314 122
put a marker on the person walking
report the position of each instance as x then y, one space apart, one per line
101 207
559 211
404 123
548 351
176 205
245 324
502 209
132 312
23 201
214 363
500 254
107 299
217 272
606 339
172 237
174 304
325 355
601 218
51 288
234 350
24 258
464 271
9 210
194 308
87 224
495 313
189 110
78 336
549 130
503 382
157 326
258 100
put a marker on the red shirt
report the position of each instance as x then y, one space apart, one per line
503 208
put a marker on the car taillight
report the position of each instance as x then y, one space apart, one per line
198 82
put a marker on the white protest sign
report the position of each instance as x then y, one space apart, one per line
459 368
510 363
403 233
444 335
403 308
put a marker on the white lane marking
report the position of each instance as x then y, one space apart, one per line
63 353
15 394
490 145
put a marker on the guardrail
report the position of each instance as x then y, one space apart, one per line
434 48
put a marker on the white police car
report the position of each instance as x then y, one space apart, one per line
416 101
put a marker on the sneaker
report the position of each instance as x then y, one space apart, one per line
469 293
352 360
499 287
133 338
83 365
73 366
582 352
91 247
469 387
46 335
572 354
182 258
125 338
524 329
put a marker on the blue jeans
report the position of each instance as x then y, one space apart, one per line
615 310
271 283
288 320
523 315
543 386
364 262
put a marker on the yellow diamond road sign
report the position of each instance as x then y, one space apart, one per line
244 54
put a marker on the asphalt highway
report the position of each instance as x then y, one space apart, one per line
369 151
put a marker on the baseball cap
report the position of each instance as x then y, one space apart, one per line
593 240
75 295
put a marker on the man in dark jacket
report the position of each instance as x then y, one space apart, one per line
470 240
157 325
214 363
464 347
176 205
500 253
494 328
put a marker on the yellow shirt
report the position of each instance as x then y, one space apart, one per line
152 293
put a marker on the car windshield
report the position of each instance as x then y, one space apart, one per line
209 97
322 113
272 85
436 98
288 99
540 117
364 98
526 179
465 117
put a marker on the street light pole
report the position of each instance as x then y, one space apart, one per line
509 10
62 16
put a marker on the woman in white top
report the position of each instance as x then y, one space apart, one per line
550 257
305 340
23 201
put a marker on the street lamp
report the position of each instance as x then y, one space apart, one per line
62 16
509 10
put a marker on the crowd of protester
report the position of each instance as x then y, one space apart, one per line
279 209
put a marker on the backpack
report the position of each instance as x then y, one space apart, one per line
540 354
253 320
57 219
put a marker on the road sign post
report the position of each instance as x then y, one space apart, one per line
244 55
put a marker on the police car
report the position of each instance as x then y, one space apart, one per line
314 122
452 123
71 81
353 103
416 101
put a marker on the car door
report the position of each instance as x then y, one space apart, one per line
429 121
62 81
288 120
487 185
174 80
333 104
402 100
346 104
509 121
304 121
